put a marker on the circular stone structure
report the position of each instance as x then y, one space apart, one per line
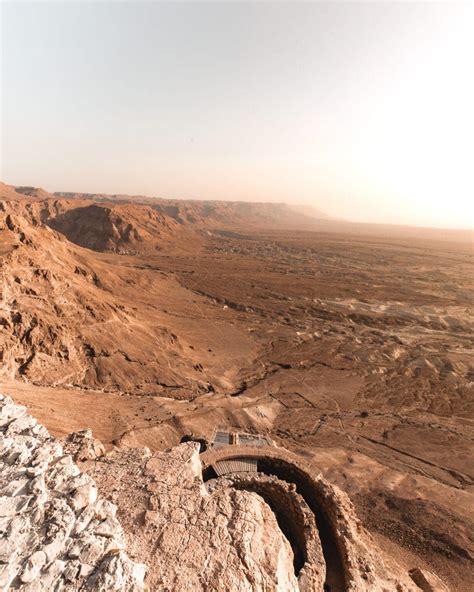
290 485
294 517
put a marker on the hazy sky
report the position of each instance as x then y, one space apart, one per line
364 110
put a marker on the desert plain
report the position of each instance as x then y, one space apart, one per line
350 345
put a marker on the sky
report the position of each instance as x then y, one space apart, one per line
363 110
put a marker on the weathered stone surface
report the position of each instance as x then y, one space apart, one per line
83 446
292 512
222 536
360 564
33 567
55 534
10 506
191 539
251 532
427 581
229 540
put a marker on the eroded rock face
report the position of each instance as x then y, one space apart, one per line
82 446
427 581
57 534
191 539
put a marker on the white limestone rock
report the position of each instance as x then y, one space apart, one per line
33 567
55 534
11 506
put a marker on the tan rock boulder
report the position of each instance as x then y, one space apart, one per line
427 581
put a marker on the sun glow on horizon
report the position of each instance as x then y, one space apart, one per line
363 110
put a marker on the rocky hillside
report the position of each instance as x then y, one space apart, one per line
221 214
215 213
9 192
196 213
117 228
123 229
35 193
68 318
23 194
352 351
193 534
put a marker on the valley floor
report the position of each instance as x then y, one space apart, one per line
349 349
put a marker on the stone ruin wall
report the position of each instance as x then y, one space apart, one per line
294 517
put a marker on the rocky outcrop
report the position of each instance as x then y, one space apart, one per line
65 318
251 532
295 519
57 534
193 539
286 532
120 228
82 446
427 581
